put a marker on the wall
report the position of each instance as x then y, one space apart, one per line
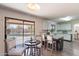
1 35
15 14
45 25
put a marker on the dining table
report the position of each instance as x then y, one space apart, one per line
32 44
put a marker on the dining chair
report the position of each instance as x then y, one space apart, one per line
13 50
43 40
49 42
39 46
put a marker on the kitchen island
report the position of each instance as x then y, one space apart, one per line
67 37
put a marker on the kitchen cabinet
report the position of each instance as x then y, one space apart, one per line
67 37
64 27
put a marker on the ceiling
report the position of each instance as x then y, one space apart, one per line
48 10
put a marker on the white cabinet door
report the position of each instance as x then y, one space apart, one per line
62 26
66 27
58 27
67 37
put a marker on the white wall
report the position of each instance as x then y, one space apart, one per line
14 14
2 45
45 25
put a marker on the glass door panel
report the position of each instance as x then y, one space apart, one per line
28 30
14 30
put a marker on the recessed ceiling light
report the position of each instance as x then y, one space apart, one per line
33 7
68 18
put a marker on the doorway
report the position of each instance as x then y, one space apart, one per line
76 31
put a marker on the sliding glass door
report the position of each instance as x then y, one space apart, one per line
19 30
28 31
